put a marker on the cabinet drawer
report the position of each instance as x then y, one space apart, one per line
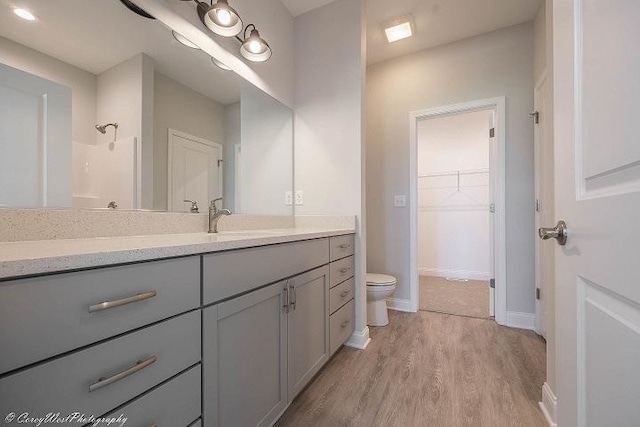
341 294
341 270
341 326
49 315
230 273
176 403
341 246
63 385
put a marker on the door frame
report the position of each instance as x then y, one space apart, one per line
170 134
498 105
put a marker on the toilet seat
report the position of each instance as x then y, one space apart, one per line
374 279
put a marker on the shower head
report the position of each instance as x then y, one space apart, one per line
103 128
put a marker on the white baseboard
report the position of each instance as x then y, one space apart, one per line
359 339
549 405
399 305
521 320
457 274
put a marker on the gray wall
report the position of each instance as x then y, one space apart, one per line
494 64
329 149
180 108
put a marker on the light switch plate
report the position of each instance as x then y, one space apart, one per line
288 198
400 201
299 197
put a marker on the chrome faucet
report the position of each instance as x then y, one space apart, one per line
215 214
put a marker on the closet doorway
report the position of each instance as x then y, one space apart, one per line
457 210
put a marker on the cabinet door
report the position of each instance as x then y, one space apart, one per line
245 359
308 327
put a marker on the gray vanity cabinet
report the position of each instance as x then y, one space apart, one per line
308 327
245 359
261 348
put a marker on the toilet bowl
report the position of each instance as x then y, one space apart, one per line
379 287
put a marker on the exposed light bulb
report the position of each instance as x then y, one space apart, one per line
24 14
224 17
254 46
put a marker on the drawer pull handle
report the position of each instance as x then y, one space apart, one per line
344 270
345 293
345 245
103 382
345 323
117 303
294 298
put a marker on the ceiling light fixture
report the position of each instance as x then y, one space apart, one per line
24 14
398 28
185 41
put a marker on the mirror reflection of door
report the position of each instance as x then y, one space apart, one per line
194 171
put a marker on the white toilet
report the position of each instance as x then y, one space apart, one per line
379 287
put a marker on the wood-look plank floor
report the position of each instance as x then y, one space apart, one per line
469 298
429 369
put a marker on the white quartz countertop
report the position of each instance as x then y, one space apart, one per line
47 256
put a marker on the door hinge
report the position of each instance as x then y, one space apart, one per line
537 205
220 162
536 117
492 132
492 207
492 283
537 293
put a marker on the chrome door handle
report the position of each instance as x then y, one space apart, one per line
117 303
103 382
286 304
559 232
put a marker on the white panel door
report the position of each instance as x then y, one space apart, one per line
35 140
597 192
545 213
195 172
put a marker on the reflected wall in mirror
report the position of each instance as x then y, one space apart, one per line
99 105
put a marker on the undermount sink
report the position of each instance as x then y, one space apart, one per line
247 234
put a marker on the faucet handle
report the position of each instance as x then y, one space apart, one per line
194 205
213 206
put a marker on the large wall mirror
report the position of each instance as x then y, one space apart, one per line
102 108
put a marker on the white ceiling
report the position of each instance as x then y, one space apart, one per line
437 22
298 7
96 35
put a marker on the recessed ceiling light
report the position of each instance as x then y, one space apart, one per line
398 28
24 14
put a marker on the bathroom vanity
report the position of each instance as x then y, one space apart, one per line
201 330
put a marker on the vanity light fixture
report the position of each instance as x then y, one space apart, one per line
223 20
254 48
220 18
398 28
24 14
185 41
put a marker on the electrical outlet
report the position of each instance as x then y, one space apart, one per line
288 198
400 201
299 197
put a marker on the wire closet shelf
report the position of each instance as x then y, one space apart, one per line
462 196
